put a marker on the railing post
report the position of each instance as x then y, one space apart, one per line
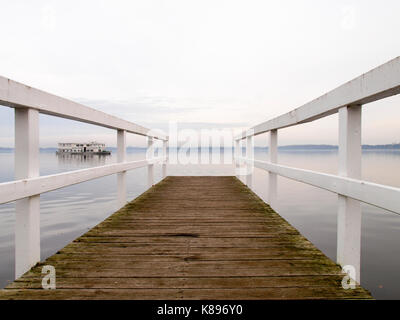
150 167
121 176
349 210
236 153
273 179
27 224
165 155
249 156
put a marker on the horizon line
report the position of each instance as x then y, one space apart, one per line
230 147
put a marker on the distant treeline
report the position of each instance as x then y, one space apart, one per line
382 146
333 147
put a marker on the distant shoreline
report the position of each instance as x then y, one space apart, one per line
304 147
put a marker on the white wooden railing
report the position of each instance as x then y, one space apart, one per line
347 100
28 185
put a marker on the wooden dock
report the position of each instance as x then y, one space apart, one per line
190 238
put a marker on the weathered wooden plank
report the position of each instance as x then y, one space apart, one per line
182 271
176 283
190 238
203 294
230 254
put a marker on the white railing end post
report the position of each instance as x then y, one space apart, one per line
272 177
165 160
349 210
121 176
236 155
150 166
27 210
249 160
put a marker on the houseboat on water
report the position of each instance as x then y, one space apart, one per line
90 148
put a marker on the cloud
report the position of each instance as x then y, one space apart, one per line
151 110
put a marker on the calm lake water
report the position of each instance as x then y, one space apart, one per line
69 212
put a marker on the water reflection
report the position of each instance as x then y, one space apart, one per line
79 159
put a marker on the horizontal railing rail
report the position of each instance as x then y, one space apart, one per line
347 101
17 95
19 189
382 196
379 83
28 184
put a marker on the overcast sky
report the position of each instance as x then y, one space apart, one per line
223 64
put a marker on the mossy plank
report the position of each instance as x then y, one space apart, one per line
176 283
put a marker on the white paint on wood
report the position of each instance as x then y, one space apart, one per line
27 210
165 156
237 155
379 83
250 158
18 95
19 189
349 210
378 195
121 176
150 167
273 179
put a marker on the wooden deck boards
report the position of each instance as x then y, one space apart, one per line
190 238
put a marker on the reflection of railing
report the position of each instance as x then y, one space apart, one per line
379 83
28 186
